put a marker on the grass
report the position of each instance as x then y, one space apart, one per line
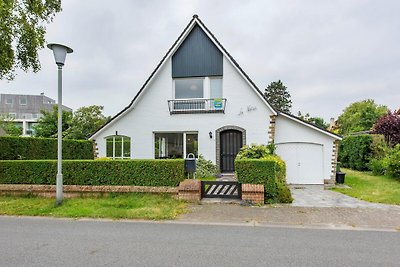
365 186
116 206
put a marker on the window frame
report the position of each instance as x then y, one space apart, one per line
122 146
23 104
184 144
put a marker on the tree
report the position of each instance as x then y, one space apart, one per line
389 126
278 96
317 121
85 121
22 33
360 116
9 127
48 124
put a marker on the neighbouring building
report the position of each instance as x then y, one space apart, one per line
199 100
24 110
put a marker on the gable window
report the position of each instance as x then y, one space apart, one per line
118 147
215 88
189 88
175 145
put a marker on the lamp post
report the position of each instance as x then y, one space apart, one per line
60 52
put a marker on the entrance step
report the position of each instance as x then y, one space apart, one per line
227 177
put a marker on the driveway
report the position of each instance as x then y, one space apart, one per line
317 196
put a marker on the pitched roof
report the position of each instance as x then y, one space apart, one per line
195 20
311 125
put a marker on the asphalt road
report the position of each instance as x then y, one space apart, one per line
59 242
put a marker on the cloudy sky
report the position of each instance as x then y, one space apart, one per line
328 53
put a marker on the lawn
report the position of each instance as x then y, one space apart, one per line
116 206
365 186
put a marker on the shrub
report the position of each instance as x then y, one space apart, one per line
94 172
355 152
393 162
31 148
379 147
255 151
205 168
378 166
269 171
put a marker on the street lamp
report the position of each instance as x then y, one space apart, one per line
60 52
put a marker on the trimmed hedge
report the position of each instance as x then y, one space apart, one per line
94 172
355 152
32 148
269 171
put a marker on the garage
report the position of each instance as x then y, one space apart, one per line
310 153
304 162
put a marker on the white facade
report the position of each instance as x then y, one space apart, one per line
306 149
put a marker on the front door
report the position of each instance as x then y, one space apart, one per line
231 142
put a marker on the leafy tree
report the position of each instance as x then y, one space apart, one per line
22 33
360 116
9 127
47 124
278 96
85 121
317 121
389 126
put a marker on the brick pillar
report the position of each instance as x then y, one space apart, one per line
335 152
190 190
271 130
253 193
95 150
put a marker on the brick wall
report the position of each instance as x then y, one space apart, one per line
253 193
190 190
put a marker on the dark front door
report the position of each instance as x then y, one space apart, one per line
231 142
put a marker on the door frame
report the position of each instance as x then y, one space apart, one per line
218 141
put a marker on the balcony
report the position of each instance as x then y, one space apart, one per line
197 105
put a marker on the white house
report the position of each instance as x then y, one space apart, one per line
198 100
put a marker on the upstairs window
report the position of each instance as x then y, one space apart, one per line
9 101
189 88
215 88
23 101
118 147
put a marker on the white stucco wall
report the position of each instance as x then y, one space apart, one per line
150 114
290 131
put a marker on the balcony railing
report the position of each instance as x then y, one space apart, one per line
198 105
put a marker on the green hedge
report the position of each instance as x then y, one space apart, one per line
269 171
94 172
31 148
355 152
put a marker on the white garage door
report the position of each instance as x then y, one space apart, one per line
304 162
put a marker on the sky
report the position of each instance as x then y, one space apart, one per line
329 54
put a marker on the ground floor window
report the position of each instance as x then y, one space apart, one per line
175 145
118 147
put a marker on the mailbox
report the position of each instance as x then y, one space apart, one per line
190 163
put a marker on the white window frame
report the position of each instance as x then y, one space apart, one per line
175 132
26 101
206 86
122 148
9 101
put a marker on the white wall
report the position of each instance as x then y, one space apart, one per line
288 130
151 114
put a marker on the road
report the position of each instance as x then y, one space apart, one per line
64 242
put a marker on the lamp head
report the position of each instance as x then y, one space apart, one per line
60 52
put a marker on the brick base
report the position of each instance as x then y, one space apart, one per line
253 193
190 190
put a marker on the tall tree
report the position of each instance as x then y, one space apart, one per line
85 121
47 124
389 126
360 116
278 96
317 121
22 33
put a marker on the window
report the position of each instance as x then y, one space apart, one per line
9 101
23 101
12 115
118 147
215 88
189 88
175 145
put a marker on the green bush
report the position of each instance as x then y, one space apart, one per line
94 172
205 168
378 166
30 148
355 152
393 162
269 171
256 151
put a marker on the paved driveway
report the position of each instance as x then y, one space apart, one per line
317 196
